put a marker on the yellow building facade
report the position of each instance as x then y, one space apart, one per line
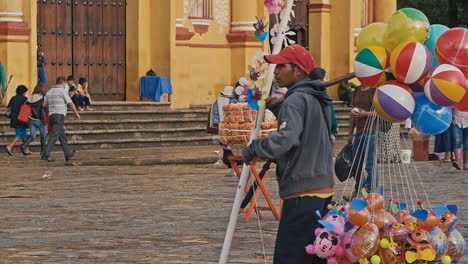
202 45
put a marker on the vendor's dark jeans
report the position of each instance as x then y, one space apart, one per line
58 132
296 230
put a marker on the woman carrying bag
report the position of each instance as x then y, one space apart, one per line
20 128
37 120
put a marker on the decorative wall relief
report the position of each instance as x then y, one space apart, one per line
221 14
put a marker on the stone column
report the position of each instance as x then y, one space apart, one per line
243 17
15 42
241 37
384 9
319 32
182 33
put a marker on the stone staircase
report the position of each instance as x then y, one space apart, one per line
123 125
120 125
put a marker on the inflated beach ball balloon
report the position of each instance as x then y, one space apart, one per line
371 66
435 31
452 48
429 118
446 86
372 35
394 101
410 62
407 24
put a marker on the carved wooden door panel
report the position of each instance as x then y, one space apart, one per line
54 32
299 23
87 39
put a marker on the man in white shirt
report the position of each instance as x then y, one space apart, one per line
56 100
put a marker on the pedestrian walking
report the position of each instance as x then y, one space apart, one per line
56 101
37 119
20 128
363 139
303 150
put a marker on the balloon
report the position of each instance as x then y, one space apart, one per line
456 244
418 87
452 48
410 62
358 218
371 66
435 31
375 201
365 241
394 101
429 118
446 86
397 231
372 35
407 24
391 253
431 222
463 104
448 222
439 240
419 246
383 218
347 239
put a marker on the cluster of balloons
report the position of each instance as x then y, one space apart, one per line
421 70
364 232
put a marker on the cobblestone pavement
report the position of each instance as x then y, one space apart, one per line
148 214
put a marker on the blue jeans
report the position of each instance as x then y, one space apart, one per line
460 137
35 125
42 76
296 230
359 147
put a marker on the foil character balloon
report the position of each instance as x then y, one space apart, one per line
390 251
326 245
383 218
449 220
439 240
419 246
364 242
375 201
358 215
456 245
398 232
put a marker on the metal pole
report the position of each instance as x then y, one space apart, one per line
256 130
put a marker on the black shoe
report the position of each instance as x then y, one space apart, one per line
71 155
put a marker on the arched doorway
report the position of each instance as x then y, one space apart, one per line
85 39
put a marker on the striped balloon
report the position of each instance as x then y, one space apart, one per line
394 101
371 66
410 61
446 86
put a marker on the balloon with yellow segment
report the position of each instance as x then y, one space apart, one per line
372 35
394 101
407 24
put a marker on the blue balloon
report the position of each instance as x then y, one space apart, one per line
429 118
435 31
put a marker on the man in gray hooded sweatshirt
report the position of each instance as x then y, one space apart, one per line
303 150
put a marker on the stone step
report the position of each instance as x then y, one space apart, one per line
110 106
83 124
143 114
75 135
112 143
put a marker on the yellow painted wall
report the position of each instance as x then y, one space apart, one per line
198 74
160 30
12 54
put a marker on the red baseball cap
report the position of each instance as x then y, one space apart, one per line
293 54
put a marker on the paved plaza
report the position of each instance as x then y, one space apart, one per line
107 211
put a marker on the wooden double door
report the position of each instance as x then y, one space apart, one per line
85 39
298 24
